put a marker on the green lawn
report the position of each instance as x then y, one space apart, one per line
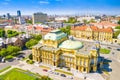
18 74
104 51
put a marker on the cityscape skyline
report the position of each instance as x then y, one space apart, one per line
61 7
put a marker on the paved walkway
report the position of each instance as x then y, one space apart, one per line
6 70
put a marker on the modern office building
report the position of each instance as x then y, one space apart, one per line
18 13
39 18
8 16
57 50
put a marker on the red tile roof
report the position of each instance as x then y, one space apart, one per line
93 28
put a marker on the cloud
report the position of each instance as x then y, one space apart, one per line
44 2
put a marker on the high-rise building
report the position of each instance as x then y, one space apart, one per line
8 16
19 13
39 17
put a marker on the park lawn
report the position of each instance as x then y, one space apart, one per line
104 51
18 74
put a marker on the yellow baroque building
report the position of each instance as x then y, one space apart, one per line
93 33
57 50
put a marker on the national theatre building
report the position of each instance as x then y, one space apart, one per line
57 50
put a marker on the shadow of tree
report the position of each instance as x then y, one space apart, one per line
106 66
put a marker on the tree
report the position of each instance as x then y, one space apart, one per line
117 27
13 50
30 57
11 33
115 35
66 30
37 37
3 52
2 33
45 78
92 20
72 20
29 21
31 43
85 21
119 22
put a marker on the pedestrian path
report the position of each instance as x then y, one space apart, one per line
6 70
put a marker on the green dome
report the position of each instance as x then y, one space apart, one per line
70 44
55 35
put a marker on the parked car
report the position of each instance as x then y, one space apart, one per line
118 49
56 73
63 75
45 70
70 77
109 47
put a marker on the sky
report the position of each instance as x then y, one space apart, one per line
60 7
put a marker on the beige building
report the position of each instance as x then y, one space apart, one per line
93 33
56 50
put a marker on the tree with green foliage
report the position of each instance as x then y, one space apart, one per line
10 50
3 52
66 30
31 43
117 27
29 21
45 78
119 22
2 33
115 35
13 50
30 57
85 21
11 33
92 21
72 20
37 37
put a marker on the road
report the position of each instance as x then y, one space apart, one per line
14 61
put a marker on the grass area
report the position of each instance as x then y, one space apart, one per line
44 67
64 72
5 69
18 74
104 51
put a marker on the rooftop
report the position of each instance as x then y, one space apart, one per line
55 35
71 44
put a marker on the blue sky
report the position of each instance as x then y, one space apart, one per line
60 6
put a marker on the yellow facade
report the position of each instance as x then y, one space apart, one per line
91 34
48 53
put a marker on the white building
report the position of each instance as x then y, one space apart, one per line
61 19
88 18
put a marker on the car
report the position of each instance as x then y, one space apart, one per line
70 77
63 75
118 49
56 73
109 47
45 70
